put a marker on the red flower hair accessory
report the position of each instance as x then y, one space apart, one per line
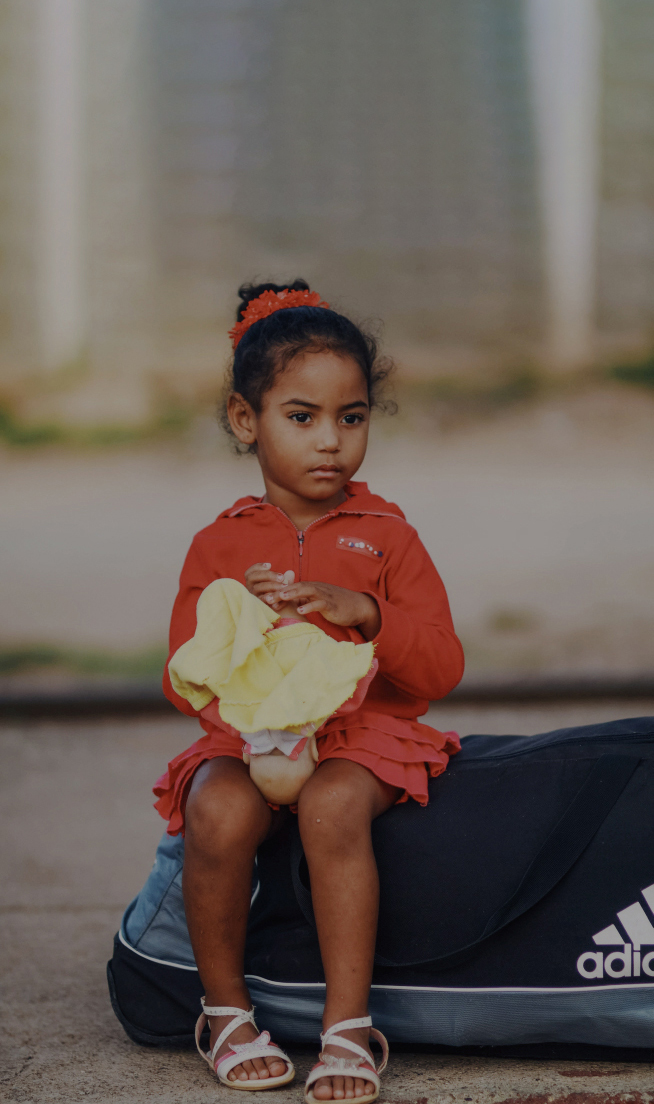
269 302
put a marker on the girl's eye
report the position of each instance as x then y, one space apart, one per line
352 419
301 416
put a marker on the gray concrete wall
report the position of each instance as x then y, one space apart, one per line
387 151
625 301
19 353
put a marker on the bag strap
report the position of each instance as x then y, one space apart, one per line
302 892
570 836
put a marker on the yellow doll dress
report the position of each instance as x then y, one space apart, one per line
276 686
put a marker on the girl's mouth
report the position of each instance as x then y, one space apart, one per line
326 472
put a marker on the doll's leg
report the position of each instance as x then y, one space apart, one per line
226 820
336 808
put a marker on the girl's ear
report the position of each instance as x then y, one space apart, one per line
242 419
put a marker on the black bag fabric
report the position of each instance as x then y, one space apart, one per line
515 910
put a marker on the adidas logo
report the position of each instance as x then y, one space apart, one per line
630 961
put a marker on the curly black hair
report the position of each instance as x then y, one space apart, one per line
269 345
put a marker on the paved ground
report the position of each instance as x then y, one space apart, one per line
80 834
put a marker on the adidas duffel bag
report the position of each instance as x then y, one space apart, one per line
516 910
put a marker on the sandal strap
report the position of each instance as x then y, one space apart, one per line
225 1010
331 1036
346 1025
261 1047
354 1048
342 1067
380 1038
239 1016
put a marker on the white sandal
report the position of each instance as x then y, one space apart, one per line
331 1066
261 1047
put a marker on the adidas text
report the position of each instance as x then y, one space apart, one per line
630 960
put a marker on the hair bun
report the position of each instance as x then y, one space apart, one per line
248 292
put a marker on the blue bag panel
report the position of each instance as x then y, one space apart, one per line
622 1016
155 922
159 1004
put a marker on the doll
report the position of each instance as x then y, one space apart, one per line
271 679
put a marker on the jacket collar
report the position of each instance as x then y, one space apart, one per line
359 501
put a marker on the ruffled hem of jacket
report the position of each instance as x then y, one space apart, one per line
403 753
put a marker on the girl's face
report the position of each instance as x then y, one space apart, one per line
312 431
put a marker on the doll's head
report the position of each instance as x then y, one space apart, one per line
302 385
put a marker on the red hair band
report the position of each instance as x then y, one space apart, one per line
269 302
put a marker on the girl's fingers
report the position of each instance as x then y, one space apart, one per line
265 586
261 583
306 598
257 567
298 592
269 596
312 607
260 576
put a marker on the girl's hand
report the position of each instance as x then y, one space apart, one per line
265 584
336 604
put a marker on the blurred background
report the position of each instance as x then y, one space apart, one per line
475 178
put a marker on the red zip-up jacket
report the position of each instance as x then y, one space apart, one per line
365 545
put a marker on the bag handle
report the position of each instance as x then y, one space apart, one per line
302 893
569 837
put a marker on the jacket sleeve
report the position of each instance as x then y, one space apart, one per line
195 576
416 646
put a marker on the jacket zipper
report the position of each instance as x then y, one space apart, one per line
300 533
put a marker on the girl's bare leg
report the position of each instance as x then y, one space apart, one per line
336 808
226 820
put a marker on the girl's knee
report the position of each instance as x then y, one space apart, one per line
332 807
339 781
219 816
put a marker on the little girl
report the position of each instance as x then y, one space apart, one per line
320 547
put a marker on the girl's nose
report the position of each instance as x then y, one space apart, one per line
330 440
